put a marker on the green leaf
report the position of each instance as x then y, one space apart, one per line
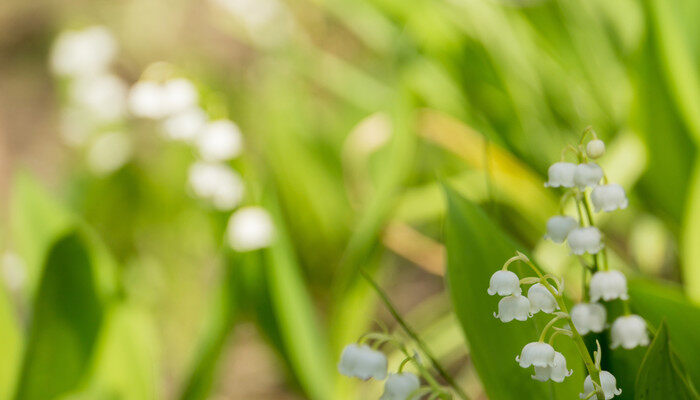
10 344
660 375
67 315
476 248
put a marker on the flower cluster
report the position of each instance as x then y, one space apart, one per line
587 186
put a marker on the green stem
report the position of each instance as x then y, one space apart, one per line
549 325
392 310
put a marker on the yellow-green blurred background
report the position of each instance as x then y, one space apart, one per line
352 112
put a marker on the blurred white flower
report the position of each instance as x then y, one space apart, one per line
589 317
250 228
629 331
268 22
401 386
585 240
217 183
538 354
595 148
178 95
561 174
559 226
76 126
504 283
104 95
14 271
609 198
84 52
185 125
220 140
513 307
108 153
541 299
587 175
608 285
607 382
362 362
146 100
557 372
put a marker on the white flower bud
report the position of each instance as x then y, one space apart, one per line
217 183
585 240
401 386
538 354
362 362
185 125
629 331
561 174
220 141
608 285
109 152
607 382
595 148
250 228
589 317
587 175
609 198
85 52
556 372
559 226
504 283
513 307
541 299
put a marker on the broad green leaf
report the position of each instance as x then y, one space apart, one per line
660 375
66 319
691 237
476 248
656 302
10 344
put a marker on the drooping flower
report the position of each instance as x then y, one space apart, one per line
84 52
220 141
504 283
561 174
587 175
541 299
607 382
629 331
362 362
145 100
103 95
608 285
585 240
217 183
559 227
595 148
179 94
250 228
401 386
609 198
589 317
513 307
538 354
185 125
556 372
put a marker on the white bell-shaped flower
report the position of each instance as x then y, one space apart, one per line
629 331
609 198
539 354
103 95
85 52
561 174
250 228
401 386
556 372
220 141
608 285
513 307
607 382
559 227
109 152
217 183
504 283
179 94
585 240
185 125
541 299
362 362
587 175
589 317
595 148
145 100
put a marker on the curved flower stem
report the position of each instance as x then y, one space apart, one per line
549 325
414 336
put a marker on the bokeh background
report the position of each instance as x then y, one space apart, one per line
352 113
